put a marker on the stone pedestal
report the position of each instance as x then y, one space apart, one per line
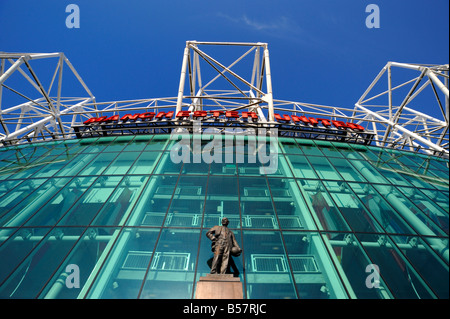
219 287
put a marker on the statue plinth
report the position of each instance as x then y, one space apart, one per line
217 286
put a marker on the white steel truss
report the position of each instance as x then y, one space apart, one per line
244 84
399 126
39 116
241 93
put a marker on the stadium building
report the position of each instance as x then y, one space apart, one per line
103 200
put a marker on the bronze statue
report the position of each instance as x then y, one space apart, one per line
223 244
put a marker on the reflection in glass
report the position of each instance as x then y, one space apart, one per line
19 205
431 268
301 167
38 266
380 208
402 279
432 215
256 204
222 200
355 267
116 209
314 273
268 274
354 212
186 207
151 208
291 208
84 256
121 163
172 269
92 200
126 264
322 205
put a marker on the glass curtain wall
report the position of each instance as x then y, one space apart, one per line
326 220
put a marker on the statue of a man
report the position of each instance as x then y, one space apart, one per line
223 244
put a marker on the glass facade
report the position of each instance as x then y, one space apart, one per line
130 222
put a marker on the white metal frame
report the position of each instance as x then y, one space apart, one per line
399 126
394 126
44 114
242 93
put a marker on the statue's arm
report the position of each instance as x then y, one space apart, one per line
211 233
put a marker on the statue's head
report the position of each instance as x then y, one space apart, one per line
225 221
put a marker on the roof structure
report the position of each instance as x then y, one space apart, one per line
242 83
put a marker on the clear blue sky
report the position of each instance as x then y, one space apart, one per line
321 51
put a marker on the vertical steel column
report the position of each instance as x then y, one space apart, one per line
269 96
182 78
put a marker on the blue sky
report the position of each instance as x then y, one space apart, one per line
321 51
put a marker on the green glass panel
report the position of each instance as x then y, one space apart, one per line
172 268
154 202
324 210
351 208
278 167
122 163
14 247
289 146
82 260
267 271
95 145
166 165
423 216
323 168
28 278
402 279
91 201
138 143
308 147
55 207
223 169
395 176
49 167
222 200
124 269
292 211
301 167
312 267
427 263
440 198
328 149
347 151
440 164
119 143
25 200
257 210
76 164
355 267
388 210
98 164
347 170
158 143
116 209
188 201
145 164
370 173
